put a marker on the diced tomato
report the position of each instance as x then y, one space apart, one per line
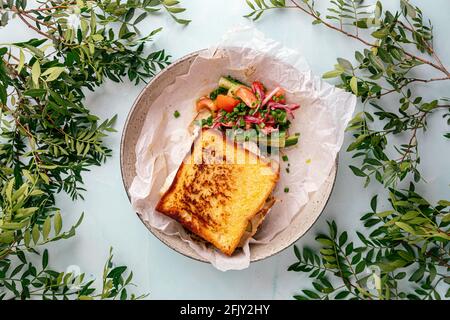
226 103
247 96
258 84
207 103
280 96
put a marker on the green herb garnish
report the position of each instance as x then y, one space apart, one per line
176 114
219 90
234 80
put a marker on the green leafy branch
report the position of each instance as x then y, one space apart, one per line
385 66
28 281
49 136
413 235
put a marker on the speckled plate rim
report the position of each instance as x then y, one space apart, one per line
122 167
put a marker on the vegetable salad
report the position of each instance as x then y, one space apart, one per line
249 113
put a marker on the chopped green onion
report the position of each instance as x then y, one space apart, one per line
219 90
286 190
176 114
285 158
291 140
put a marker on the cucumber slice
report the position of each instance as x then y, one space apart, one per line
227 83
277 140
291 141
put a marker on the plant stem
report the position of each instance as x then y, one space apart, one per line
329 25
415 80
48 25
46 9
33 27
357 37
413 138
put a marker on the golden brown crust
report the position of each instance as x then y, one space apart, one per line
203 196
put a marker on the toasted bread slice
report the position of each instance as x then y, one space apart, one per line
218 189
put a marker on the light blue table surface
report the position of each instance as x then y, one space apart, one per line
162 272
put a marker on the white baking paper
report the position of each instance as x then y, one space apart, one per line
248 55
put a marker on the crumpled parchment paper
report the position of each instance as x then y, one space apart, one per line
248 55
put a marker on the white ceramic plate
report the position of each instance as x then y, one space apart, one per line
133 125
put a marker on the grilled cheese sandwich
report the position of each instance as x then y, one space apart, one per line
221 191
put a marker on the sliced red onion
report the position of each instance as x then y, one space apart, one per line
268 130
215 125
216 122
258 91
227 124
252 119
289 108
269 96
